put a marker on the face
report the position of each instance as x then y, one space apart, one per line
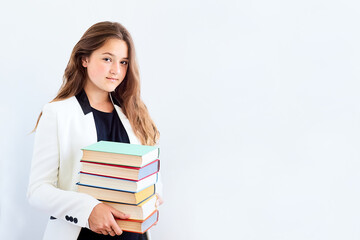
107 66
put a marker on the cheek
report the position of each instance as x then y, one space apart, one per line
97 70
124 71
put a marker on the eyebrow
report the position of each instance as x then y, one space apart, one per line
112 54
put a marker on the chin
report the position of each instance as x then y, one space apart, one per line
110 89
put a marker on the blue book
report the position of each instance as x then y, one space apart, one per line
117 183
115 195
120 171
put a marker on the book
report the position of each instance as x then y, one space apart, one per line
116 195
116 183
123 176
120 171
138 226
133 155
136 212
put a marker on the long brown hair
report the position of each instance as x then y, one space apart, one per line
127 93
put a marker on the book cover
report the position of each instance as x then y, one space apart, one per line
136 212
95 180
138 226
134 155
115 195
121 171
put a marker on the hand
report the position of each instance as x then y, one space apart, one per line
159 200
102 220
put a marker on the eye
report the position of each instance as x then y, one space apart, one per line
124 62
107 59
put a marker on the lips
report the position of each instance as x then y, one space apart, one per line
112 79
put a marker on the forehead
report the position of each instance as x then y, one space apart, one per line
114 46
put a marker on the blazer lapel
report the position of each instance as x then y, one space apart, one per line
86 108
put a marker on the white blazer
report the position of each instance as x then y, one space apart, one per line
64 128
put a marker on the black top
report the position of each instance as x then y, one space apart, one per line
108 128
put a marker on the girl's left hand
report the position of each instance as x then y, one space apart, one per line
159 200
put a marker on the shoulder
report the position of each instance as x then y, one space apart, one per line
59 106
60 113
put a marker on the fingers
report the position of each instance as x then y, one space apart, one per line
116 229
102 220
118 214
159 200
112 233
109 232
112 230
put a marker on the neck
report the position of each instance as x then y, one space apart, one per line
98 99
95 96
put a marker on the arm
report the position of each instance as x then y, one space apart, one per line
43 192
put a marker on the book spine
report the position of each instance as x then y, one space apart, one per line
125 179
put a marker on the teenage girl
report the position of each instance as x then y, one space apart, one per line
98 100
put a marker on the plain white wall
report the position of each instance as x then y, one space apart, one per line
257 103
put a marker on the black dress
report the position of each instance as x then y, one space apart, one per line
109 128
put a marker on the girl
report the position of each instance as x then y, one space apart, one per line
98 100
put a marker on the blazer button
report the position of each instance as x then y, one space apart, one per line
75 220
71 219
67 218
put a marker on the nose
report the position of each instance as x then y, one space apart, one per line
115 68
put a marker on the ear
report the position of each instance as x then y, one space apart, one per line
84 61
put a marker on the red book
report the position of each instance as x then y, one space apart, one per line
138 226
120 171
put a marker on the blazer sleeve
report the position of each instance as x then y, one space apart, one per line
43 192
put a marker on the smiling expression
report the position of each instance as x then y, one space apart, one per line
107 65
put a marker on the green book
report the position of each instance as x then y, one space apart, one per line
125 154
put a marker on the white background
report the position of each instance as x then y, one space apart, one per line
257 103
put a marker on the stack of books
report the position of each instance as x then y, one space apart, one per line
123 176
